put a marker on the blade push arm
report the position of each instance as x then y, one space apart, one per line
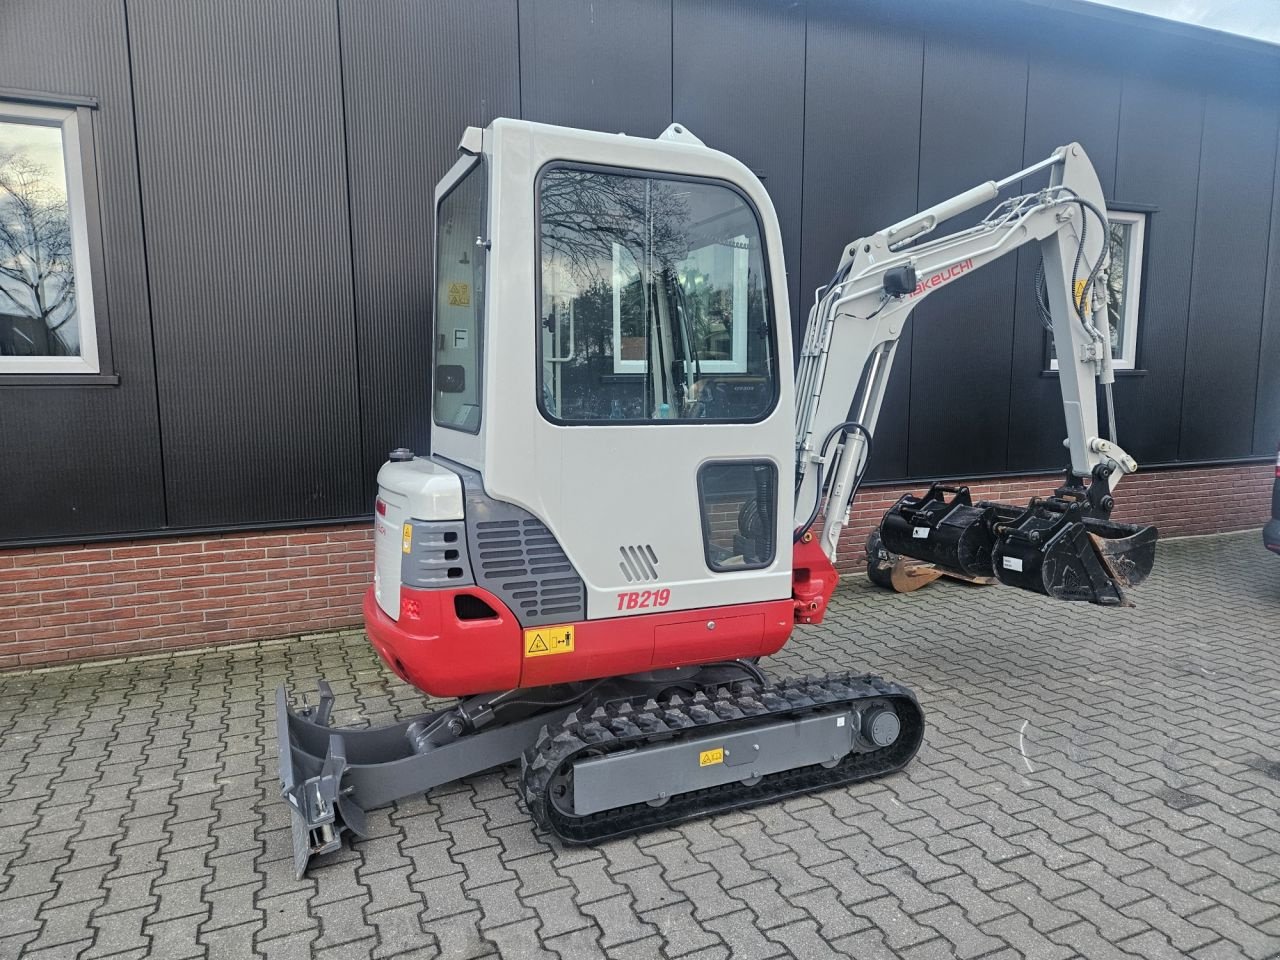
857 319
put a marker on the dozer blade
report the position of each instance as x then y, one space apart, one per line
330 775
1062 554
319 809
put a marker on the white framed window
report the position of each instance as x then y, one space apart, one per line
1124 287
717 312
47 323
719 328
630 342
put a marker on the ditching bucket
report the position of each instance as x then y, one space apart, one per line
1053 546
1054 549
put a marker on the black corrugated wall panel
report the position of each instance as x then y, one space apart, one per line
1158 163
278 202
245 200
597 64
415 75
973 108
1233 225
1074 98
1266 429
86 460
754 114
861 156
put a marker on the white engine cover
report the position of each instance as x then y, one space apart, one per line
414 490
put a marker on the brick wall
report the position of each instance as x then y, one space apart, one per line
108 600
1180 502
112 599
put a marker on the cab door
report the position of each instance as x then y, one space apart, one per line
659 440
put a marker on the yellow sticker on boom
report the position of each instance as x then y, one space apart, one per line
709 758
545 641
459 294
1079 290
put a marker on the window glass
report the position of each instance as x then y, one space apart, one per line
46 317
739 502
460 283
1124 287
655 303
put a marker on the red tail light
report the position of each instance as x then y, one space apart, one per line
381 506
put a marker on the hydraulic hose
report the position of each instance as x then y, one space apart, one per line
845 427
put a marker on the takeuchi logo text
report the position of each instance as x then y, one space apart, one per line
935 280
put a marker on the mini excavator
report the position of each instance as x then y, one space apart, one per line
620 512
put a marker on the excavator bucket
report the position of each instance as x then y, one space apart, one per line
1053 549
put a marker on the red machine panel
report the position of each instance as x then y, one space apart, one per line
446 645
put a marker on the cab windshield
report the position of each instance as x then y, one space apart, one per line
654 300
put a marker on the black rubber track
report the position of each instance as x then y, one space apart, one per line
624 724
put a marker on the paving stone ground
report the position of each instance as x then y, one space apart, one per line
1096 783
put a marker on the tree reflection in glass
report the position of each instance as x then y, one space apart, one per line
37 280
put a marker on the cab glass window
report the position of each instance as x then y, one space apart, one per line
739 505
654 300
460 283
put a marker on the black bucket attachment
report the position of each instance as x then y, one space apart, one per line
1054 549
1059 546
953 534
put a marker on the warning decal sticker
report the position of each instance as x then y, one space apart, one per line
709 758
1079 290
545 641
459 294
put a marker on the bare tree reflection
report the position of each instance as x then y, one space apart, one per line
585 213
37 283
1116 279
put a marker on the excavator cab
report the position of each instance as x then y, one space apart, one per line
613 418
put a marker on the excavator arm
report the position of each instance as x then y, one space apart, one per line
853 333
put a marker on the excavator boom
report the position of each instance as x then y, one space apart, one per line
852 337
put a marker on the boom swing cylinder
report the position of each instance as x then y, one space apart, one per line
596 553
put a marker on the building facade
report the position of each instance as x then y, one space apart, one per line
214 321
